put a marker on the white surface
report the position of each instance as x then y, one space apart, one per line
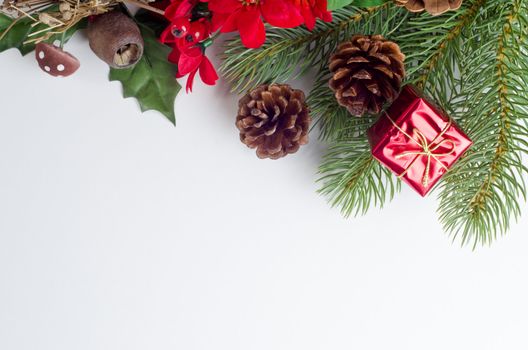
118 231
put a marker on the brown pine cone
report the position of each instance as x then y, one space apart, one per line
367 71
434 7
273 119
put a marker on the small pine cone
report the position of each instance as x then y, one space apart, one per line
367 71
434 7
273 119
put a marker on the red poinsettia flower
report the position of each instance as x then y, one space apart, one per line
313 9
246 17
188 54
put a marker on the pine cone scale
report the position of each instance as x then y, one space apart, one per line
437 6
381 57
357 59
373 88
362 75
434 7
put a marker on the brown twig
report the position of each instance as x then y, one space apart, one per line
145 6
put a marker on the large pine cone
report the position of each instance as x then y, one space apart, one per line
434 7
273 119
367 71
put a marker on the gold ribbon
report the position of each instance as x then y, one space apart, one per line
428 149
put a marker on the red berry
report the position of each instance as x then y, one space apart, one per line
180 27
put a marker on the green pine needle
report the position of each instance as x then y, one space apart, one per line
480 197
473 62
289 53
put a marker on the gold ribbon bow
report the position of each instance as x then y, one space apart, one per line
428 149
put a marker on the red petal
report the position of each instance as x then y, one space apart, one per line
230 23
190 80
174 56
309 17
187 64
251 28
166 36
218 21
281 13
171 10
224 6
321 10
207 72
178 10
185 8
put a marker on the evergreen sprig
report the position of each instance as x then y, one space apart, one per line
289 53
481 196
422 35
352 179
473 62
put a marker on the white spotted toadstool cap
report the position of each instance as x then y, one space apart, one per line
55 61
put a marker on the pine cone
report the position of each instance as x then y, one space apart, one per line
367 72
273 119
434 7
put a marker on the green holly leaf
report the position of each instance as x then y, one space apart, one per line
152 80
18 31
337 4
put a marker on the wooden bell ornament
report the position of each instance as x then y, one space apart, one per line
116 39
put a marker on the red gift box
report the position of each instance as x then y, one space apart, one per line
417 141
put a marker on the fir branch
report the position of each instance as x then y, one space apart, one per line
480 197
288 53
334 122
473 62
345 132
353 180
461 66
430 44
453 33
429 41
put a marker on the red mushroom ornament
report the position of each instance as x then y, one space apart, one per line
55 61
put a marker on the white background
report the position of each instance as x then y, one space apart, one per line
119 231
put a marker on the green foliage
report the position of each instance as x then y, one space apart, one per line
15 32
152 80
289 53
479 198
352 179
334 121
337 4
473 62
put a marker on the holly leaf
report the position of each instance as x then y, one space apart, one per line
14 32
337 4
152 80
